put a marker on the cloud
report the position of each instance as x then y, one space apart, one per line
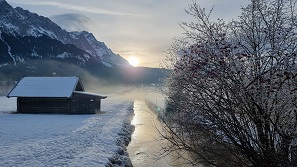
125 51
78 8
72 21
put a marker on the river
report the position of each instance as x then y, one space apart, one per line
146 144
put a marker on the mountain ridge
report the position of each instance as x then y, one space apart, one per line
33 45
20 22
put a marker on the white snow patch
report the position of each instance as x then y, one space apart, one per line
64 55
100 52
107 64
19 59
5 64
87 57
34 54
45 87
10 27
9 50
34 31
7 105
82 61
66 140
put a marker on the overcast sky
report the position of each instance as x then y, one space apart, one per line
140 28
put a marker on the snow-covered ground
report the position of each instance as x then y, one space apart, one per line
66 140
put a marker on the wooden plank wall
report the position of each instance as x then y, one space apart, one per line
83 104
98 105
43 105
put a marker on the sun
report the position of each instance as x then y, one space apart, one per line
133 61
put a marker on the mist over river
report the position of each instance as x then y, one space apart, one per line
145 148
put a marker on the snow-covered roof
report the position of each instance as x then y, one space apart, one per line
90 94
45 87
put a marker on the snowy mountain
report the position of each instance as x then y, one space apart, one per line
33 45
41 47
88 42
22 23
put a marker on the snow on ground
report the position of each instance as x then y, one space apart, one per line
66 140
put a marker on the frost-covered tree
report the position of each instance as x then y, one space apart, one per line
234 87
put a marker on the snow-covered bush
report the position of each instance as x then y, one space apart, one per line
234 87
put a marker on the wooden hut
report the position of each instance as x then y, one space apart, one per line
64 95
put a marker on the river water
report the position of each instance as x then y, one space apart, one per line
146 144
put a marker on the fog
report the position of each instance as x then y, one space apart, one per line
131 92
143 92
